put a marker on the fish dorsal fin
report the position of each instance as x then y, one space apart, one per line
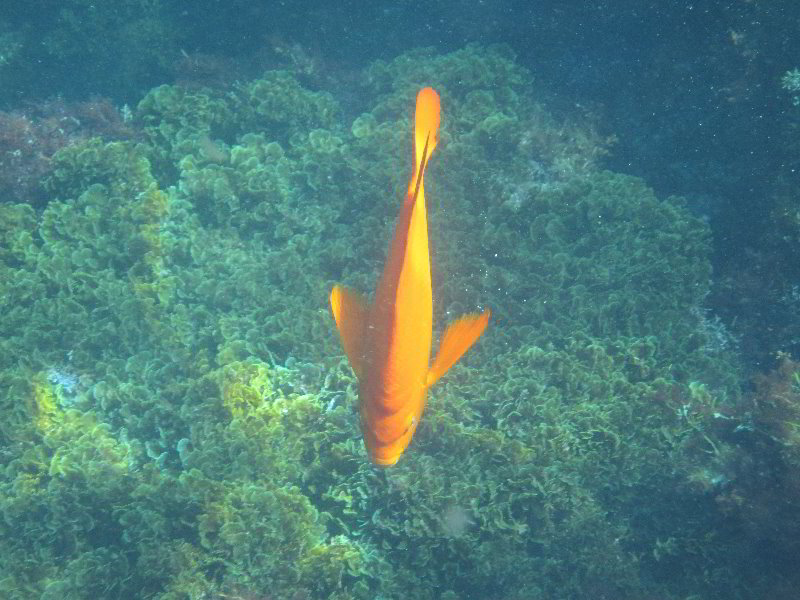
350 311
456 340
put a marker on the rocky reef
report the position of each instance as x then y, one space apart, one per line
178 421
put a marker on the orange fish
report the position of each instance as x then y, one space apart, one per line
388 342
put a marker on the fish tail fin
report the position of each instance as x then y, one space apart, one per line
426 134
350 311
457 339
426 121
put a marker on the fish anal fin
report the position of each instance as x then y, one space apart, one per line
456 340
350 311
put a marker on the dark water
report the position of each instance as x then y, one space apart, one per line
181 184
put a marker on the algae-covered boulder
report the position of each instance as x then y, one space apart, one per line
177 413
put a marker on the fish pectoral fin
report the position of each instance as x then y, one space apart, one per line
350 311
457 339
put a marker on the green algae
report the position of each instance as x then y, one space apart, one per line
211 447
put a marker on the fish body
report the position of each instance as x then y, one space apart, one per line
388 342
